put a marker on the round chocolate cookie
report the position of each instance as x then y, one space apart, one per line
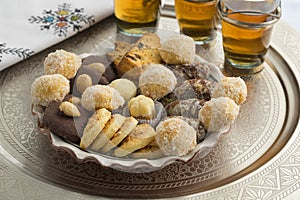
186 108
194 88
199 128
189 71
66 127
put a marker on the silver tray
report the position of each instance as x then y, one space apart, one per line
259 158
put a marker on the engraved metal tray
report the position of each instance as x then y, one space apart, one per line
259 158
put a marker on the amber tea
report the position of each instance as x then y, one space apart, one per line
135 14
246 29
245 47
197 19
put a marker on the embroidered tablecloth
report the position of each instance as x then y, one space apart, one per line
30 26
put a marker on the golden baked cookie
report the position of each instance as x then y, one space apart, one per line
233 87
48 88
101 96
142 53
157 81
142 107
160 113
138 138
138 60
151 151
62 62
175 137
111 127
94 126
126 88
121 48
179 49
218 114
129 124
148 41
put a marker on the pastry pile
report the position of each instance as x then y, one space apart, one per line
145 100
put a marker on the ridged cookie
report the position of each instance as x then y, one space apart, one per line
129 124
111 127
151 151
140 137
143 52
138 60
94 126
121 48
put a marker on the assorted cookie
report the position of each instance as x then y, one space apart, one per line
145 110
48 88
218 114
94 126
145 100
233 87
111 127
62 62
128 126
175 137
69 128
179 49
139 137
126 88
187 108
144 52
157 81
101 96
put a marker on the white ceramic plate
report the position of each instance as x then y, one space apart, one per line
129 164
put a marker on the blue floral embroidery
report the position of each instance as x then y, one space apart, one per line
62 19
20 52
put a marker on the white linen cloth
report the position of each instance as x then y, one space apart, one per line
29 26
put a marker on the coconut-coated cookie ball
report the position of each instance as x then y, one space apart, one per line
157 81
101 96
62 62
179 49
175 137
233 87
218 114
49 88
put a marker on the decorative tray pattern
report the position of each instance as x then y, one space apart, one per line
259 158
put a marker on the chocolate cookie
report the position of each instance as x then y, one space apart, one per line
186 108
198 126
194 88
189 71
66 127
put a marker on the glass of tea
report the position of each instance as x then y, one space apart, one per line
197 19
246 30
133 16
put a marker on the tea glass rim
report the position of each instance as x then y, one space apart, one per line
222 10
